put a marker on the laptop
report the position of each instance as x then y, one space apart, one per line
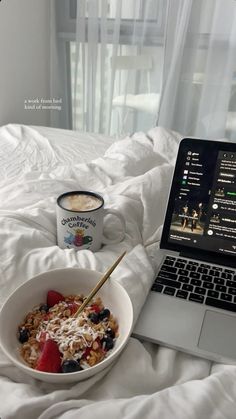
192 303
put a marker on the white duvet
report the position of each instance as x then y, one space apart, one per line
147 381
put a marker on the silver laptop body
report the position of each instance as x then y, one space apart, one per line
192 303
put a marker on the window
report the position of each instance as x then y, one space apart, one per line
137 30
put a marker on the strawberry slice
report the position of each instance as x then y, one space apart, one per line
86 352
95 308
90 348
54 297
50 358
72 306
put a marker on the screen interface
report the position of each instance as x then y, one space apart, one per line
203 214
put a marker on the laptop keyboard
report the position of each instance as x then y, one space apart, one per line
198 282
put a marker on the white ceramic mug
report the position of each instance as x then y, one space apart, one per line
80 221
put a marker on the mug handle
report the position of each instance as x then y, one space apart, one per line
114 212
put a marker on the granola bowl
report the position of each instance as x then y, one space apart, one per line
41 335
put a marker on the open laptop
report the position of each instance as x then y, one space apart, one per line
192 303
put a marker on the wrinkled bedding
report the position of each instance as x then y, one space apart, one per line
133 174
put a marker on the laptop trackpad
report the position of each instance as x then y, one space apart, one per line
218 334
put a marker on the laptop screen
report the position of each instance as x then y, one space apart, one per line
201 212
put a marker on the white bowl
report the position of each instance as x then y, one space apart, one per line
66 281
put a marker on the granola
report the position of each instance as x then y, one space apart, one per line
82 341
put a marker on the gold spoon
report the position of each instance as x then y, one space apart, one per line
99 285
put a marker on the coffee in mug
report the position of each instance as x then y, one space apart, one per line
80 221
80 202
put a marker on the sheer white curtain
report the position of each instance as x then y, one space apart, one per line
126 65
199 77
114 85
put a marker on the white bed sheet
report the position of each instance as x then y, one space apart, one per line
24 149
147 381
65 144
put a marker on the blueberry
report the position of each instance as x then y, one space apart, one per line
23 335
44 307
104 314
109 332
93 317
70 366
107 343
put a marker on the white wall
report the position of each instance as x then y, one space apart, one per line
24 59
